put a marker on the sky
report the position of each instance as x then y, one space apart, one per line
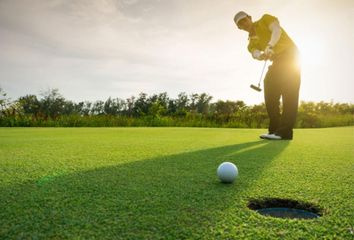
95 49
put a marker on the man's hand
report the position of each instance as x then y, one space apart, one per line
256 54
268 52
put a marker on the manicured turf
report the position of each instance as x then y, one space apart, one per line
160 183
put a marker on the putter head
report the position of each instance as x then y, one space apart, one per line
257 88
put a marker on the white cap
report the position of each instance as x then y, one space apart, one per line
240 15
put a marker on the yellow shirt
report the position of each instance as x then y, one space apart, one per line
263 35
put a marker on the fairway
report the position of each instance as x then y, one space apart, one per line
161 183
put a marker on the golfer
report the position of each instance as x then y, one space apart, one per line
269 41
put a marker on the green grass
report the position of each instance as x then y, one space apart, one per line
160 183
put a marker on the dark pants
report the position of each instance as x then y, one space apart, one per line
282 81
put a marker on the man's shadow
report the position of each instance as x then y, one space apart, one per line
176 195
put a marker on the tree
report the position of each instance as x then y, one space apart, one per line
86 108
163 100
141 106
158 104
130 105
4 101
30 105
114 106
181 104
202 104
344 108
52 103
97 108
69 108
193 102
225 108
156 109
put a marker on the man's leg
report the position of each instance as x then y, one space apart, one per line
272 100
290 98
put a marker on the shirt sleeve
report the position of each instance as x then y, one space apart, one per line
268 19
276 33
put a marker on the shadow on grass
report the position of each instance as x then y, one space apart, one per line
176 196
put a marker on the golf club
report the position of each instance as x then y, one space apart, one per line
257 88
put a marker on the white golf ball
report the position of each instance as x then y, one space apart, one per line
227 172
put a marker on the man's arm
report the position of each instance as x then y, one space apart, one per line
275 28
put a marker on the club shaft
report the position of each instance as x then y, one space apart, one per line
260 79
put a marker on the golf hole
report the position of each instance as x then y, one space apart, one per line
285 208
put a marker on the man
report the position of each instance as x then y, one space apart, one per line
268 41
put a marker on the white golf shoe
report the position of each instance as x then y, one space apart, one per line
273 137
264 136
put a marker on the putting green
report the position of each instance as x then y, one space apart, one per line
161 183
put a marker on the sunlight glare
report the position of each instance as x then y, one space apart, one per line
312 51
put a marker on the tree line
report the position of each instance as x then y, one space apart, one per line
194 110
